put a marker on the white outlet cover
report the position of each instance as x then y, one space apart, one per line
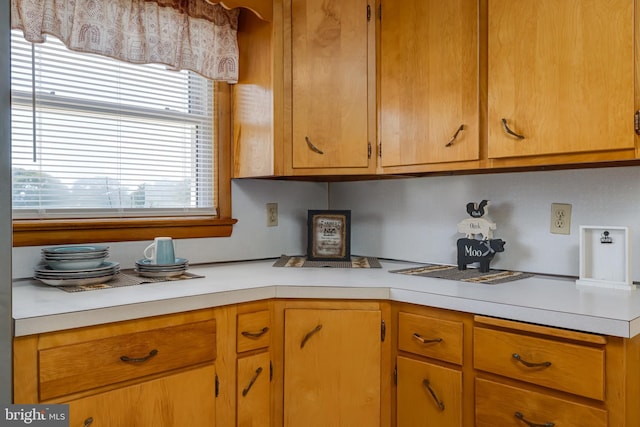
605 257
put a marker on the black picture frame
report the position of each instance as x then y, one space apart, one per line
329 235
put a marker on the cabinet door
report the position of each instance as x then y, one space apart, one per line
254 391
184 399
330 78
428 395
561 74
429 81
332 368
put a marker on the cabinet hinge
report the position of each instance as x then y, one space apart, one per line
395 375
368 150
636 121
380 149
270 371
383 331
368 13
217 386
380 11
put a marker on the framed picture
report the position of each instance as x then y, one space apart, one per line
605 257
329 235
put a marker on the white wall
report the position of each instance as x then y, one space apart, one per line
251 238
416 218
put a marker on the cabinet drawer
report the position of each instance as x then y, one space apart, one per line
431 337
253 331
563 366
81 366
502 405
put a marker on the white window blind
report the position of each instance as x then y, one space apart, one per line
96 137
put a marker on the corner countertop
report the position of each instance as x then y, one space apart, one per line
39 308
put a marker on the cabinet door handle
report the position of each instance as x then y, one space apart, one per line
530 364
255 334
419 338
139 359
521 417
509 131
309 335
253 380
455 135
88 422
312 147
439 403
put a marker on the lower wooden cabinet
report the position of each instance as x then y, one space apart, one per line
182 399
253 391
504 405
332 363
428 395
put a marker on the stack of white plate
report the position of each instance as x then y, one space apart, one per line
146 268
76 265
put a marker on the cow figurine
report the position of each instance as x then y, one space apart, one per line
481 251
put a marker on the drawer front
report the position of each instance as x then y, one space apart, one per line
82 366
254 331
505 406
431 337
563 366
428 395
254 390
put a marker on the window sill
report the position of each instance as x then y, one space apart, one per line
57 232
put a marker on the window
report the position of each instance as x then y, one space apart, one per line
102 143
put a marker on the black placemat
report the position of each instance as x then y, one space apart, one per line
472 275
302 261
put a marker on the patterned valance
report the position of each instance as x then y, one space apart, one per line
182 34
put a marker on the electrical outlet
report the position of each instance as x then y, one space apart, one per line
560 218
272 214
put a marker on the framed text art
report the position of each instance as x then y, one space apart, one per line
329 235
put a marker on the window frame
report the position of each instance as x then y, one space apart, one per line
35 232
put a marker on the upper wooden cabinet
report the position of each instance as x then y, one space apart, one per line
429 80
561 75
332 70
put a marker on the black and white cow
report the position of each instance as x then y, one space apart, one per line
482 251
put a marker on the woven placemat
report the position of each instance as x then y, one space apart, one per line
302 261
128 278
473 275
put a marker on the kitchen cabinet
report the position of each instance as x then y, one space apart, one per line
254 369
332 71
174 400
429 85
560 81
527 373
148 372
332 367
433 374
305 99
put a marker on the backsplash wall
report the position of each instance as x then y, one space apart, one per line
416 219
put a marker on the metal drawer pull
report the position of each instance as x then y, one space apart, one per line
521 417
455 135
139 359
312 147
255 334
253 380
309 335
440 403
509 131
88 422
417 337
530 364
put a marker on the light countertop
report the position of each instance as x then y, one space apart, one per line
544 300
